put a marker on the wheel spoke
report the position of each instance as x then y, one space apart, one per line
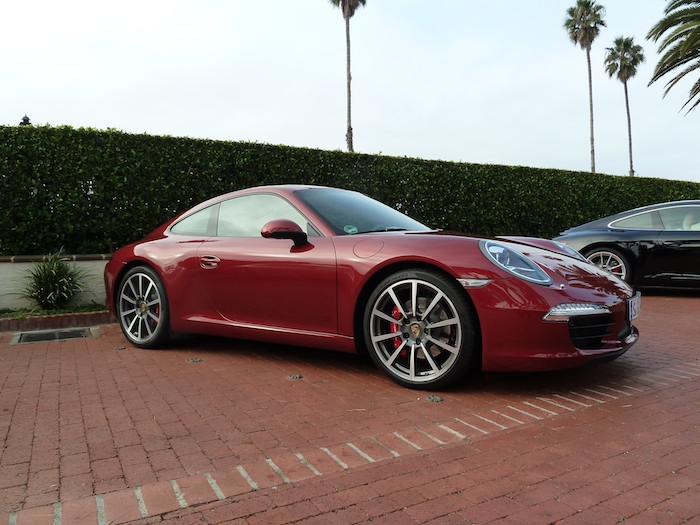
393 357
440 324
397 303
382 315
148 290
147 326
383 337
438 297
156 319
414 298
131 324
443 345
126 298
134 293
429 358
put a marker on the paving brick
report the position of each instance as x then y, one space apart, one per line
159 498
80 512
290 513
76 486
196 490
196 463
291 467
13 474
36 516
12 499
121 506
262 474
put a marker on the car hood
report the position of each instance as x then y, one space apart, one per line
568 268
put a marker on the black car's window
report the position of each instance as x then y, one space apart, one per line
641 221
245 216
201 223
349 212
673 218
681 218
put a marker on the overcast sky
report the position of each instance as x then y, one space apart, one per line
486 82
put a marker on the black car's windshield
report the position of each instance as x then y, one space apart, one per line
349 212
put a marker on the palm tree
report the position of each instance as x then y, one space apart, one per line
583 25
681 47
622 60
348 8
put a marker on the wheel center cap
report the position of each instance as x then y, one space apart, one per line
415 329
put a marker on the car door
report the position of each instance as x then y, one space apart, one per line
263 282
676 257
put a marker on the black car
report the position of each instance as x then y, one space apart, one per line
655 246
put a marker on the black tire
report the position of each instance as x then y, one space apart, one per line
612 260
419 329
142 308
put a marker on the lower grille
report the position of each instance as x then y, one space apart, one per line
588 331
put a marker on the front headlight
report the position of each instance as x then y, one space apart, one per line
514 262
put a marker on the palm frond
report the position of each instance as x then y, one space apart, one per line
679 32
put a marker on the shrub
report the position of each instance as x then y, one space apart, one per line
54 282
92 191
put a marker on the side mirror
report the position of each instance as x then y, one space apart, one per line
284 229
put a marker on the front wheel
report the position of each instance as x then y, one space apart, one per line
611 260
420 329
142 308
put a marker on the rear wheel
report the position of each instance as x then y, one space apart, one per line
611 260
420 329
142 308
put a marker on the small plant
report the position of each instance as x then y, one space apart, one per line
54 282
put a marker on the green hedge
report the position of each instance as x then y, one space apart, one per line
91 191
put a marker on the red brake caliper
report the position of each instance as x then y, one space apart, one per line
396 314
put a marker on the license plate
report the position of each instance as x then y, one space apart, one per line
634 307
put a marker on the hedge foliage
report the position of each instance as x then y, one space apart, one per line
90 191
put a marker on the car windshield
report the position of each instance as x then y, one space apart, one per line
349 212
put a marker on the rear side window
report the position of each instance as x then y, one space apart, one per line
642 221
201 223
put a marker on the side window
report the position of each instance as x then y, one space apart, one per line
642 221
200 223
681 218
245 216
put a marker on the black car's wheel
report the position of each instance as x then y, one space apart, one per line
419 329
142 308
611 260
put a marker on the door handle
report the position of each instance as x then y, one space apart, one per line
209 261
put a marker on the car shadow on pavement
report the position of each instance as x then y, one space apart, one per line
359 368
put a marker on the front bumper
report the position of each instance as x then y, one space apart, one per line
517 337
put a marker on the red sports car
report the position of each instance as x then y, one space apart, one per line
330 268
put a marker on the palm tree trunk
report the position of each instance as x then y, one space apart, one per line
629 127
348 134
590 106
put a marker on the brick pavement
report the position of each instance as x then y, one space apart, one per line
218 431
